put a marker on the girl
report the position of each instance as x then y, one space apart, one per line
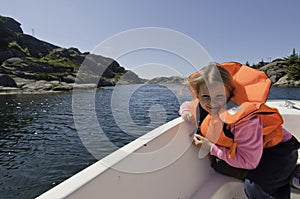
239 130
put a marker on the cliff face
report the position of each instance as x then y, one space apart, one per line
277 71
27 63
14 43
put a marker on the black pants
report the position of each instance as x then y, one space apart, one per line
275 168
273 171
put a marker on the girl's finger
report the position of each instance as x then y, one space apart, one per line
197 141
199 137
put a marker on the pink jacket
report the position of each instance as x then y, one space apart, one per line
249 138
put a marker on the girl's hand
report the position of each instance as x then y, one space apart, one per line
203 144
200 141
187 116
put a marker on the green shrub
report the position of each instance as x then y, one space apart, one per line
293 71
15 45
293 62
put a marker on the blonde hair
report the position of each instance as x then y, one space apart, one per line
208 75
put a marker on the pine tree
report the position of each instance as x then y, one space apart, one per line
293 62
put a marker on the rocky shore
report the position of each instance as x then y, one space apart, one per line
277 71
29 65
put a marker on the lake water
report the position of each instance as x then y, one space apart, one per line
45 139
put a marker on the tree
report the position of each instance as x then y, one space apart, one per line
293 62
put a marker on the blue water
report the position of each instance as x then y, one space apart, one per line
41 147
284 93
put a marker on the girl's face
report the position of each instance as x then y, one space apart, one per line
212 99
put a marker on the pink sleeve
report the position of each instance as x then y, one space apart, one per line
184 107
249 139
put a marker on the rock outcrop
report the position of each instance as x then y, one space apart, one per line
30 64
277 71
7 81
167 80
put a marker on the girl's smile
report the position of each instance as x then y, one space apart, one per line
213 98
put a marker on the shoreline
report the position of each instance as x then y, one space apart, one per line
45 90
69 87
22 92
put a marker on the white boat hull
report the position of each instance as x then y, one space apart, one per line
161 164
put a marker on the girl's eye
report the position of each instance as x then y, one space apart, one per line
221 97
205 97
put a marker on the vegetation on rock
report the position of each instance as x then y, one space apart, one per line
24 58
293 61
284 72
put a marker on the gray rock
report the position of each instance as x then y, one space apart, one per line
6 54
10 25
285 81
63 88
37 86
36 47
7 81
9 90
14 61
166 80
68 79
275 70
130 78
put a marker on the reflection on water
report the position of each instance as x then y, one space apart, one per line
40 146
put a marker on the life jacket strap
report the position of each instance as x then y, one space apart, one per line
232 150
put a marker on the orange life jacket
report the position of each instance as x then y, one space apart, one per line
251 88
